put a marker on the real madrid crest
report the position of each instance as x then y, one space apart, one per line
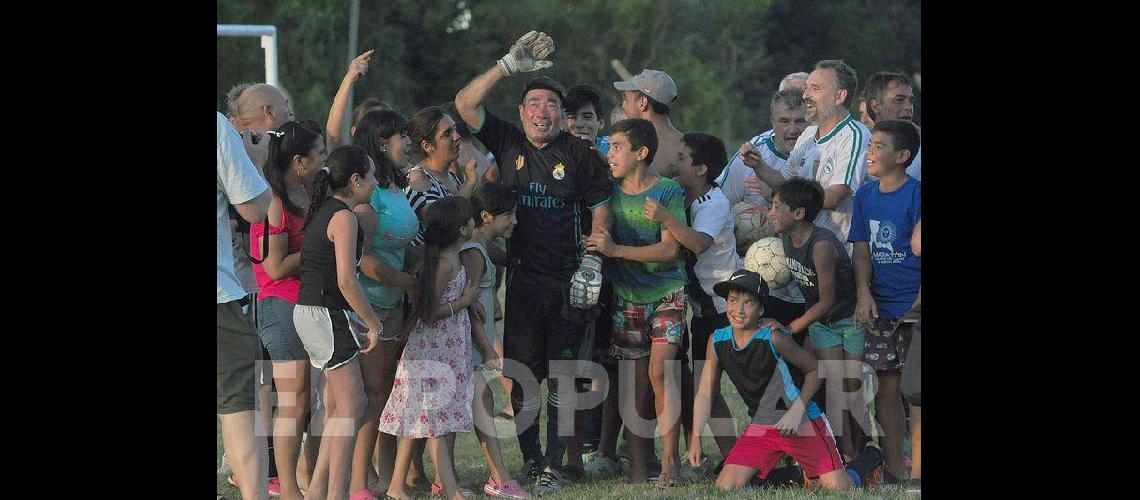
559 171
519 162
827 167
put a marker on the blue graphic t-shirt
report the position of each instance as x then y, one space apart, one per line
645 282
886 221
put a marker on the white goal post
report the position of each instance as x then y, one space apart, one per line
268 34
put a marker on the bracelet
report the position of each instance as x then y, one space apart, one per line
452 308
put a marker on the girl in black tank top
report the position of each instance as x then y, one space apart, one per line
321 317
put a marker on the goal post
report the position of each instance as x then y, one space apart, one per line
268 35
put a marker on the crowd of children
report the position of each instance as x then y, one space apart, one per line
377 262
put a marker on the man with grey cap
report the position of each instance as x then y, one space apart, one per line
649 95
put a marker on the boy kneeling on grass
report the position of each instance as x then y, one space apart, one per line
757 361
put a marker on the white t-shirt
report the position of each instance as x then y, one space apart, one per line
712 216
839 158
238 182
731 182
731 179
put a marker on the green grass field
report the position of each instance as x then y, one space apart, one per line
471 468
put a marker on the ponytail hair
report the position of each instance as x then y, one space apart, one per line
372 133
342 163
292 138
442 221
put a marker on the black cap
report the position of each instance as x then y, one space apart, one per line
744 280
543 82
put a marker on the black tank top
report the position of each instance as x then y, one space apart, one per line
802 265
761 377
318 259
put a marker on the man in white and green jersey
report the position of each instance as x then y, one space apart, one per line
831 150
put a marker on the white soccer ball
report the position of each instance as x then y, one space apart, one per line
767 258
752 223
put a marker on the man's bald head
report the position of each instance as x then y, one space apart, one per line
259 107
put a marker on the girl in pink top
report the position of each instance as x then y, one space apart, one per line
296 154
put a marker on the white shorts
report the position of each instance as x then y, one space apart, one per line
328 335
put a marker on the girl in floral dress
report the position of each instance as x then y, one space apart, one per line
431 396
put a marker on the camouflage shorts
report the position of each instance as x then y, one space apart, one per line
637 326
885 344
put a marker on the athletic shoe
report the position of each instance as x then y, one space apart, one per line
914 485
600 466
550 481
509 489
869 465
274 487
438 490
530 471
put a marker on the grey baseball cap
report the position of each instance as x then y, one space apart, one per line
656 84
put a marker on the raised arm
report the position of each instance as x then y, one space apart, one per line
341 103
526 55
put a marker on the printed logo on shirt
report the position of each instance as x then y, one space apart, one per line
559 171
519 162
883 236
805 277
828 167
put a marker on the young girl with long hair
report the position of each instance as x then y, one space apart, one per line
389 226
329 304
296 154
494 208
432 394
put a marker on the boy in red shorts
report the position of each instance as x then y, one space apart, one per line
777 379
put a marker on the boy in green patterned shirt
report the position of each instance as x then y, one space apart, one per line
648 276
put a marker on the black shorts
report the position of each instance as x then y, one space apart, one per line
540 326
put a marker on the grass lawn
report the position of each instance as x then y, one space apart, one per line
472 468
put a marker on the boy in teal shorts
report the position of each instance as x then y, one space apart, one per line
822 269
648 277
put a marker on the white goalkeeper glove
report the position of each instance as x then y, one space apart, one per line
528 54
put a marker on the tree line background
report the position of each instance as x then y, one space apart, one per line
727 57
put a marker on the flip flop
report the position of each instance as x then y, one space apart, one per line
665 480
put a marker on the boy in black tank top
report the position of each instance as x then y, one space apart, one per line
776 378
822 269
